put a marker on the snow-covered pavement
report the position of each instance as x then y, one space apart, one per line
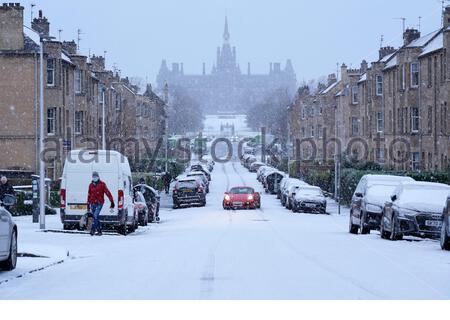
209 253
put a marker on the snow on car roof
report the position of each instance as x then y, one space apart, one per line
424 185
380 179
195 173
187 179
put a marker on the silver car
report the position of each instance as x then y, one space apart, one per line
8 235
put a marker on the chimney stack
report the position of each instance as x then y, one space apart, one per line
385 51
70 47
98 63
410 35
332 79
11 31
41 25
446 14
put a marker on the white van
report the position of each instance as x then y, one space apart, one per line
115 171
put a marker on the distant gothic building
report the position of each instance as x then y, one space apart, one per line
227 88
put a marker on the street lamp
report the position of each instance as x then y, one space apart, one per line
42 38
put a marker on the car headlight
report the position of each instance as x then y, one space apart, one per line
406 212
227 198
373 208
250 198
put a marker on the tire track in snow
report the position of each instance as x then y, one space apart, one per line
324 266
208 277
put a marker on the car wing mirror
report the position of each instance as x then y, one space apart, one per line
394 198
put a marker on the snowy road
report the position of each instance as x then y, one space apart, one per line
207 253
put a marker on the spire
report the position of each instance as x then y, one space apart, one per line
226 32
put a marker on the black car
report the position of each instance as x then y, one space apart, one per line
272 182
367 210
188 192
152 200
310 200
445 231
415 210
365 214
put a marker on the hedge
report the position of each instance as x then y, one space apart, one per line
350 178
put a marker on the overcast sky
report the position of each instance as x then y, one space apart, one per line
316 35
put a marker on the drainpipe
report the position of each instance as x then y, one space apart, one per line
420 122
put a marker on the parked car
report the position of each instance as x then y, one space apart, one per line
415 209
250 160
115 171
367 207
261 171
283 183
200 167
152 199
202 177
142 211
310 199
8 235
188 192
445 231
209 163
254 167
242 198
272 182
287 197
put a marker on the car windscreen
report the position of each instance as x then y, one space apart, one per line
311 192
187 184
380 191
241 191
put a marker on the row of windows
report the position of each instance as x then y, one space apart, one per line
315 132
311 111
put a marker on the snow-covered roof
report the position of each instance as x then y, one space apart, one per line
392 62
32 35
386 58
363 78
65 57
422 41
327 90
435 45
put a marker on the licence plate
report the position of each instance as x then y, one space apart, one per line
187 190
237 203
432 223
81 207
310 205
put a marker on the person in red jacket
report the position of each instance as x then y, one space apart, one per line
96 200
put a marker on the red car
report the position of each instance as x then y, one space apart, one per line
242 198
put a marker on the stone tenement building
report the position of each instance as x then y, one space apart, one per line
226 88
76 88
394 112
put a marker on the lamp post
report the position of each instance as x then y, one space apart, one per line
103 120
41 138
42 38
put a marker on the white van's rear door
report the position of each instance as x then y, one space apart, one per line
110 174
77 178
